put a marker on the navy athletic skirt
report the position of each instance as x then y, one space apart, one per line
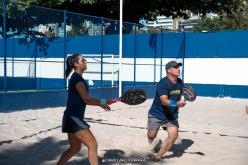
72 124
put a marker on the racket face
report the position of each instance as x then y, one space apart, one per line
189 93
134 97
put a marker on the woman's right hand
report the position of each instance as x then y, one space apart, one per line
105 107
110 101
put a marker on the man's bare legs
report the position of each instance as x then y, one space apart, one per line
166 146
151 135
154 143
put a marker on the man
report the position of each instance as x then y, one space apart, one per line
165 106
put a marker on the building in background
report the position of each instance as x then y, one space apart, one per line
163 22
176 24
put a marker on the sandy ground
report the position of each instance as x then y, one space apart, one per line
212 131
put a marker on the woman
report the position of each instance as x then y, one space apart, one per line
73 120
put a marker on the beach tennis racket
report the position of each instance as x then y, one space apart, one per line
189 93
132 97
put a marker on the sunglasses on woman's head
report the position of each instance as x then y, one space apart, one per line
83 60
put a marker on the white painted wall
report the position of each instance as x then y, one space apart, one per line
229 71
216 71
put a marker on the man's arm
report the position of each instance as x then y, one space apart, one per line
171 103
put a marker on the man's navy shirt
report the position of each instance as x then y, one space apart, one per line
173 91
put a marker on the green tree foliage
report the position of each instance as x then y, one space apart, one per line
234 17
133 10
232 13
24 20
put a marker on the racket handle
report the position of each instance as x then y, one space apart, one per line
116 100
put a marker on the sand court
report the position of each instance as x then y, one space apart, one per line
212 131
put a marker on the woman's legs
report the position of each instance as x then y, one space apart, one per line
76 139
75 146
87 138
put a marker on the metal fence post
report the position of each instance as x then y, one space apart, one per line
183 55
135 53
38 86
102 26
65 48
5 44
161 56
155 58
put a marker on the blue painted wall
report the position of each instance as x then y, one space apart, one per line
23 83
216 90
12 101
229 44
31 100
84 45
53 47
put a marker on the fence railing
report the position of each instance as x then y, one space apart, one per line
33 29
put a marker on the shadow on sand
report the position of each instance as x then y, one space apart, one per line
179 149
48 150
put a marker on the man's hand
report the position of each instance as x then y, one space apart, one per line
181 103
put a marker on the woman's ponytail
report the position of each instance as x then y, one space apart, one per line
70 64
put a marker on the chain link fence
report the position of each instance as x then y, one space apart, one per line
37 42
2 70
31 29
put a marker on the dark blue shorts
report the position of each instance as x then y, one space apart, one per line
72 124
